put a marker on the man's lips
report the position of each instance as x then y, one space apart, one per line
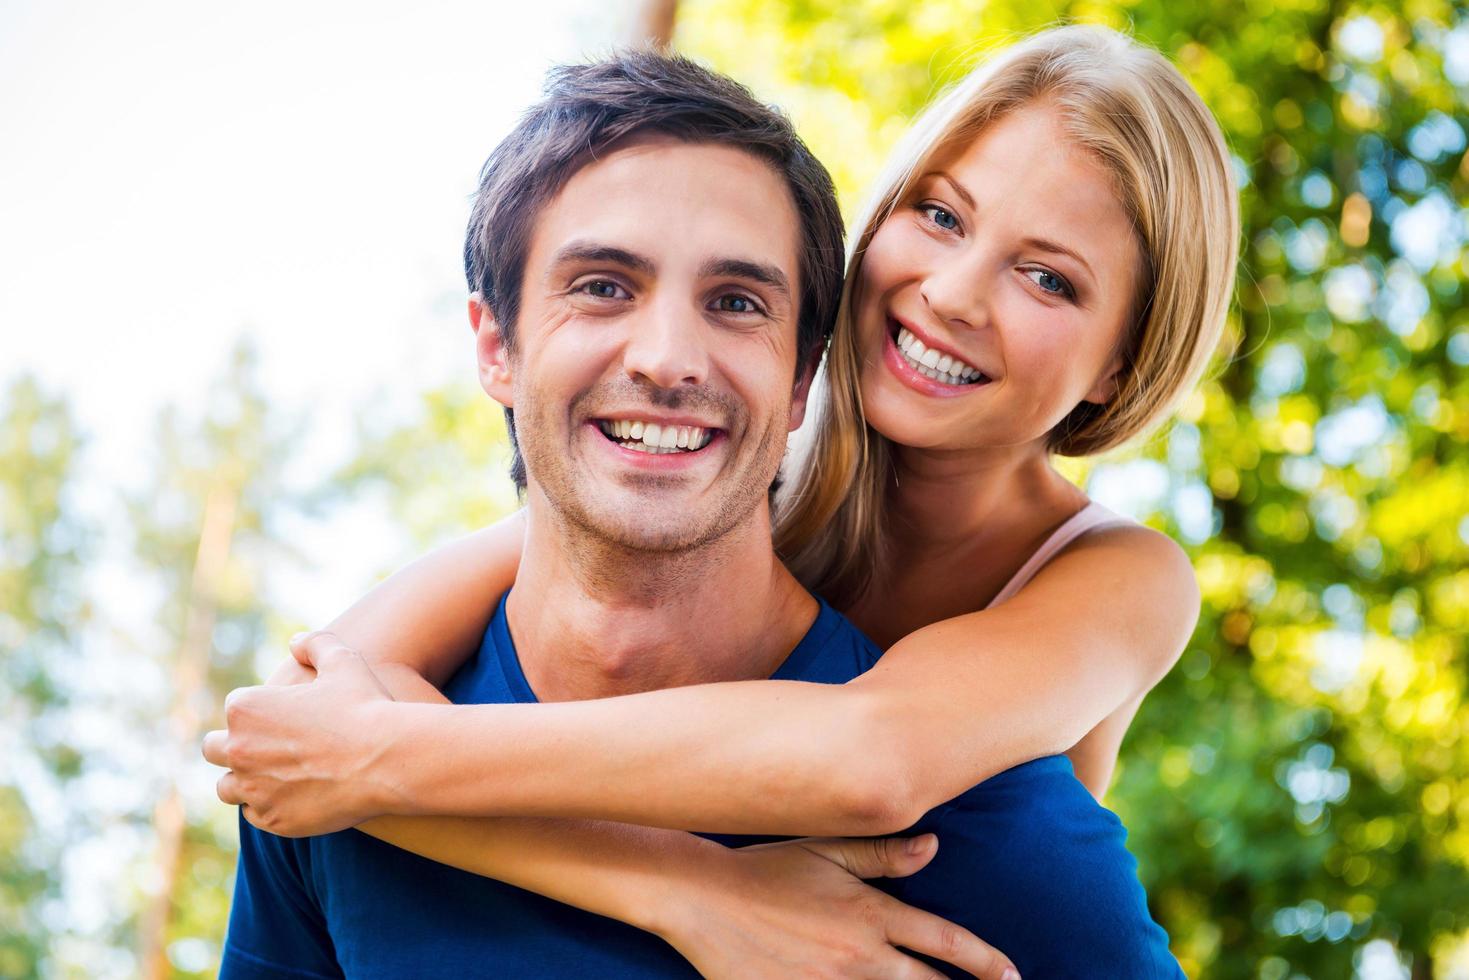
655 436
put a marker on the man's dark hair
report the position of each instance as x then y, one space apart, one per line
589 108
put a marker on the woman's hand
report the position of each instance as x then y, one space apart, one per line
300 754
800 909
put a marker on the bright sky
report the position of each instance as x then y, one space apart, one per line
173 174
176 174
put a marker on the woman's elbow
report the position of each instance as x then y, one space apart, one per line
858 779
885 784
876 802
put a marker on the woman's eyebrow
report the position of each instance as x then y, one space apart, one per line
964 195
1056 248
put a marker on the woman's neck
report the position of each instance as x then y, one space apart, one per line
962 523
941 497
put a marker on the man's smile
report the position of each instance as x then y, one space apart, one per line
641 435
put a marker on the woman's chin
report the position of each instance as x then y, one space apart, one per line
899 423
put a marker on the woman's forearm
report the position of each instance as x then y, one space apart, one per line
944 709
636 875
797 756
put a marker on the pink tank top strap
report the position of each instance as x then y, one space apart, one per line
1089 518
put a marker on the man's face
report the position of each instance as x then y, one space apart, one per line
654 371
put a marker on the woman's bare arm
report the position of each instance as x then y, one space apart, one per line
431 614
791 908
945 708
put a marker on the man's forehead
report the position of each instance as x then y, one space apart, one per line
674 202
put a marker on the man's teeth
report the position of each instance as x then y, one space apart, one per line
650 437
932 364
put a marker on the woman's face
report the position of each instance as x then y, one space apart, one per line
993 300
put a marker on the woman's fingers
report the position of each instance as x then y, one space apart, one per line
925 933
216 747
291 671
877 857
310 649
907 968
229 790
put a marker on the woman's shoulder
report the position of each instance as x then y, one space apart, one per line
1121 543
1118 571
1097 540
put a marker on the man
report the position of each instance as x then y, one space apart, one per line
656 261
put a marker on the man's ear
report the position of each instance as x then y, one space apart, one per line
801 392
1106 387
489 349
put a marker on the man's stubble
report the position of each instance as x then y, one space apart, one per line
650 549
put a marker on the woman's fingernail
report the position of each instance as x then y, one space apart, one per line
916 845
1010 974
299 638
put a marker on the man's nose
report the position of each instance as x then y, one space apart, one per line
667 345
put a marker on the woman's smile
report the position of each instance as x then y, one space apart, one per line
927 368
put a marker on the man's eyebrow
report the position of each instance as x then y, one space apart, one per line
588 251
760 272
1056 248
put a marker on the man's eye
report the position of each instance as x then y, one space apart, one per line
735 303
1050 282
939 216
602 289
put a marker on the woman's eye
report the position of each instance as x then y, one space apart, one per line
944 219
602 289
735 303
1049 281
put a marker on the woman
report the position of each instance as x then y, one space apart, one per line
1046 268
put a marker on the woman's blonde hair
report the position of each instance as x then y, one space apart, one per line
1128 106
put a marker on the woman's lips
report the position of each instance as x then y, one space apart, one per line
915 378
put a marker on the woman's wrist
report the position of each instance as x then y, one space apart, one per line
405 751
402 765
679 900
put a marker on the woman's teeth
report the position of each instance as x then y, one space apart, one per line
931 364
650 437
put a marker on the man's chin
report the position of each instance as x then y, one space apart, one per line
652 529
650 522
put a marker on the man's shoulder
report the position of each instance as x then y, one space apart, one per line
492 674
1032 862
833 651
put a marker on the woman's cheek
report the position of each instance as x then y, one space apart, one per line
895 250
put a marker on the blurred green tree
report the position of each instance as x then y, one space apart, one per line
42 613
441 472
207 527
1296 789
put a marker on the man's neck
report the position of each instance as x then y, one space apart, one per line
591 619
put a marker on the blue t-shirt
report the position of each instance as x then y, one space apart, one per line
1027 860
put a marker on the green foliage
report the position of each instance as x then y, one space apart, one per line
227 465
442 472
42 610
1297 787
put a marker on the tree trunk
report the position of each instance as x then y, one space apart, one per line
653 24
193 669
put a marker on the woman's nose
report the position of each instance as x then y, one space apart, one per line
953 294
